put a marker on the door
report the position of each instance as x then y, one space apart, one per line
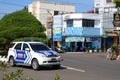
21 53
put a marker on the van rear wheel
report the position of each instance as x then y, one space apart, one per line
11 62
35 64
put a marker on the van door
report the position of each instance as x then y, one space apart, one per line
19 54
27 54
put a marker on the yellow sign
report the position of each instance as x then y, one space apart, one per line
57 30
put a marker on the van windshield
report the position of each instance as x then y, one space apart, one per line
40 47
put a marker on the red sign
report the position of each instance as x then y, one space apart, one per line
20 55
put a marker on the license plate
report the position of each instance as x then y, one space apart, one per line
53 59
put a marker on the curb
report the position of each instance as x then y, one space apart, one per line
84 52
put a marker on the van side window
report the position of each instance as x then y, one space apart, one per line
25 46
18 46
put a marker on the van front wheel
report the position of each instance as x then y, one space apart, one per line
35 64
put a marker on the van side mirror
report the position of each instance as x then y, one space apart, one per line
27 49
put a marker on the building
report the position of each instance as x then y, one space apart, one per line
79 30
104 6
74 26
106 9
44 12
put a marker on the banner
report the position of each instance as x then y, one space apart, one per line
57 33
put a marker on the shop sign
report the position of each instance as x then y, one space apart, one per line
74 39
57 33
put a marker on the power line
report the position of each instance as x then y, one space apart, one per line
27 6
38 0
45 0
11 3
3 13
32 7
72 2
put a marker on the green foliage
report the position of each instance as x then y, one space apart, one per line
3 53
17 75
117 2
19 24
57 77
32 39
114 46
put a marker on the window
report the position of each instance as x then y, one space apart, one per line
56 12
38 47
69 23
25 46
97 10
87 23
18 46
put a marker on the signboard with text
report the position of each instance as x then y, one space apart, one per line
57 28
57 33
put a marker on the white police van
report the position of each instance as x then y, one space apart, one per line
33 54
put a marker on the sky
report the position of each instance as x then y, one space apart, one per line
8 6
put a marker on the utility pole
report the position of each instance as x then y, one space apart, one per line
52 41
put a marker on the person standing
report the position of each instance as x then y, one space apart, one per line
109 53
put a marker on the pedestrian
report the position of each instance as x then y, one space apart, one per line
109 53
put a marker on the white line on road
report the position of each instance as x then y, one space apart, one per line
74 69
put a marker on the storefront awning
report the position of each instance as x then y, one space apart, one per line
81 39
74 39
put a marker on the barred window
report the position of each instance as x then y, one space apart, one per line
87 23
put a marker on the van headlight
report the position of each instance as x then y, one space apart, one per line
42 55
58 54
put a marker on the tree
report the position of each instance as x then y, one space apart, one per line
7 75
19 24
117 3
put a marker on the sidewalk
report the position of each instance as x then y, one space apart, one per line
85 52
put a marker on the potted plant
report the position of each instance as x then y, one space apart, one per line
99 50
95 49
90 50
115 51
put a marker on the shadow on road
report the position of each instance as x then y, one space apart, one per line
42 68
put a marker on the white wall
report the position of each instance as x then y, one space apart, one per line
77 23
104 6
40 9
77 18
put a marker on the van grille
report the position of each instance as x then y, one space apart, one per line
52 56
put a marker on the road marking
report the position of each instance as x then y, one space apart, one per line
74 69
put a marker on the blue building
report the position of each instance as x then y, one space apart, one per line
79 31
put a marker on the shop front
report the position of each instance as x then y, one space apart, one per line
82 43
82 39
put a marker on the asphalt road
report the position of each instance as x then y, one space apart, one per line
77 66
